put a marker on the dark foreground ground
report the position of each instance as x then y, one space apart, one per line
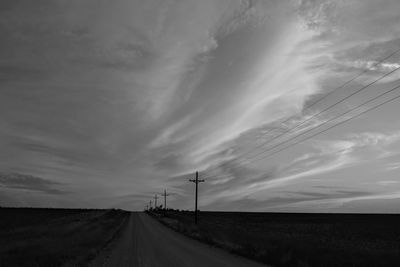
63 237
114 238
284 239
56 237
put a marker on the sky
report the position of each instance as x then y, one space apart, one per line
104 104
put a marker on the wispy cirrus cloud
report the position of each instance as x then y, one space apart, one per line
126 96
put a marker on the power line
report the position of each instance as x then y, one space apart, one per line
335 89
342 122
332 119
328 121
355 77
330 93
315 115
348 111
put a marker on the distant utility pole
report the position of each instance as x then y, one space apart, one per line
165 201
155 201
150 204
196 181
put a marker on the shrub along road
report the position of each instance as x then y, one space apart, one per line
146 242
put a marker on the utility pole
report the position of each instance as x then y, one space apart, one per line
150 204
155 201
165 201
196 181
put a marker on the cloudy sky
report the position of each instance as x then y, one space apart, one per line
106 103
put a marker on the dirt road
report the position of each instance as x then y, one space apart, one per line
146 242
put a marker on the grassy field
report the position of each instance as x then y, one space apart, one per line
55 237
287 239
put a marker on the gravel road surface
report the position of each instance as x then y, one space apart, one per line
147 243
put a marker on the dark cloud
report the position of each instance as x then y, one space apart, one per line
54 152
12 73
29 182
169 162
293 196
122 56
6 5
244 204
283 198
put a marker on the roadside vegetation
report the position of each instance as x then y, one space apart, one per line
55 237
289 239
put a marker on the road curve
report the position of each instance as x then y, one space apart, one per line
147 243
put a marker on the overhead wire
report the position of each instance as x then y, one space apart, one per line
335 117
327 129
316 114
324 97
335 125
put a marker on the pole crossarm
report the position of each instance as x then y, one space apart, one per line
198 181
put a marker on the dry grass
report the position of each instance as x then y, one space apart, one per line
55 237
298 239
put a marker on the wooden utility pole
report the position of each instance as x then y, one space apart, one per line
196 181
155 201
165 201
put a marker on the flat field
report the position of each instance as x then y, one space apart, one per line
55 237
290 239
